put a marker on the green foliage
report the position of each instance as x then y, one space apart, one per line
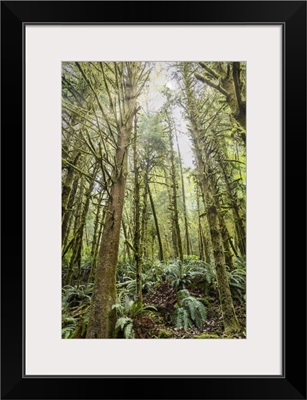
207 336
127 311
75 306
126 307
192 257
182 275
126 278
125 325
73 296
164 334
69 325
237 280
190 312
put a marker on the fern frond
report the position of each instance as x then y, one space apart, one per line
128 331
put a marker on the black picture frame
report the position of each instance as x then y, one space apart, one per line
292 16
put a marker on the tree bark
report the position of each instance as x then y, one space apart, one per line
185 214
102 317
75 262
161 255
68 216
144 222
239 225
230 320
67 195
174 204
137 222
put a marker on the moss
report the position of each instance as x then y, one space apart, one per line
207 336
164 334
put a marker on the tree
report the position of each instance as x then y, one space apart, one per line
128 78
203 151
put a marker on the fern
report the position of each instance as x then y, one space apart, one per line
68 331
69 325
122 322
182 319
189 311
129 331
237 281
75 308
127 311
125 325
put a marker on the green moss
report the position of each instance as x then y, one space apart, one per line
207 336
231 325
164 334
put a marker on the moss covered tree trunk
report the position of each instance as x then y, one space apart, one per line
153 209
174 195
200 230
68 195
69 214
239 224
185 213
127 247
102 317
226 245
75 262
223 228
93 269
231 323
137 221
144 222
230 320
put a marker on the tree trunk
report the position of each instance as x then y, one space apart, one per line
226 245
74 241
161 255
223 227
239 225
67 195
144 223
126 239
68 216
185 214
93 269
200 231
75 262
102 317
137 222
230 320
174 194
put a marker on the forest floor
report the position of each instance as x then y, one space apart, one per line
170 309
160 325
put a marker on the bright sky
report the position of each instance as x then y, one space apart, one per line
153 100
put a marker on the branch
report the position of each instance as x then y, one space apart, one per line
81 172
209 70
109 95
235 161
97 98
210 83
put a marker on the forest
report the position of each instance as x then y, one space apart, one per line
153 200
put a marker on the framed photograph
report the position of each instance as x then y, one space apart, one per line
162 149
